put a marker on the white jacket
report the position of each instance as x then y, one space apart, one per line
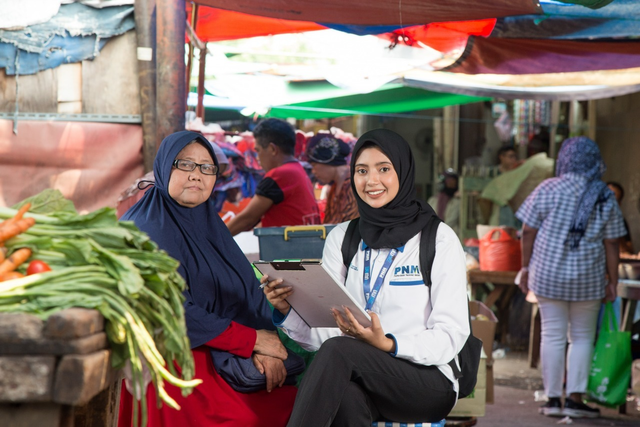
426 333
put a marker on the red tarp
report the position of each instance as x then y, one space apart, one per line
529 56
90 163
216 25
444 36
379 12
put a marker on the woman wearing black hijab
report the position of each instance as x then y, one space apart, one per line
397 369
225 311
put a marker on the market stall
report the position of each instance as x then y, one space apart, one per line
58 372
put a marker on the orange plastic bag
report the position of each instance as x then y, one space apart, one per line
499 251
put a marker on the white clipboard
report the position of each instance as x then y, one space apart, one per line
314 292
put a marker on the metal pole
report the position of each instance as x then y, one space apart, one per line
203 61
170 83
145 16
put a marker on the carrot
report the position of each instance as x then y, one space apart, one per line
23 210
18 216
10 230
10 276
16 258
3 252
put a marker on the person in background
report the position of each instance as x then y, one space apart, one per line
225 310
328 158
538 143
397 369
507 159
447 202
285 195
570 234
626 247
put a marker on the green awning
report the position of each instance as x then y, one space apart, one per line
272 96
389 99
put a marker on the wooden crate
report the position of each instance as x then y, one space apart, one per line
57 373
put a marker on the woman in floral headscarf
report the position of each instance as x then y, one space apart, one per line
328 158
571 226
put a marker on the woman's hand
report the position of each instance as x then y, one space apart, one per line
268 344
272 368
277 297
610 291
524 281
373 335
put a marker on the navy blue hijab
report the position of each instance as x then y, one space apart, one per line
221 284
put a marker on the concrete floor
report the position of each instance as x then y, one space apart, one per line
515 405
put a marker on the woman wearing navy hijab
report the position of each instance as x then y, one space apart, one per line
225 309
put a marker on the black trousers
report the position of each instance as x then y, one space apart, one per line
350 383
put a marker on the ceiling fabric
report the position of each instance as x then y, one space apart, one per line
379 12
529 56
217 25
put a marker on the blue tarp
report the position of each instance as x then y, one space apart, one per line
62 50
75 34
618 19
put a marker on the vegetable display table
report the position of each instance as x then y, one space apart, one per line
57 373
500 296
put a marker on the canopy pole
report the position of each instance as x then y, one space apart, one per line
553 131
194 22
591 111
203 61
144 11
170 83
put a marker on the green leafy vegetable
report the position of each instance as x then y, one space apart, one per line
98 262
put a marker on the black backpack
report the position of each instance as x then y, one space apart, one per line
469 355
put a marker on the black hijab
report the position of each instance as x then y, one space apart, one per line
392 225
221 283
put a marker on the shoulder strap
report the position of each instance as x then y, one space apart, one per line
427 255
350 243
428 249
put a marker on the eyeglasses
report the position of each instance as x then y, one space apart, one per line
188 166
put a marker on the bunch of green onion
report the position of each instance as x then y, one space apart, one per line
100 263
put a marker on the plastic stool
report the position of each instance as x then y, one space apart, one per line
393 424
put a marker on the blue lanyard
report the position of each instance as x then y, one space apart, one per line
370 295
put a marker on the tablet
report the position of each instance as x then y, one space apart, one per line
314 292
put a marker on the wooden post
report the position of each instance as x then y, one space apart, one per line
145 16
438 151
194 23
555 118
592 119
203 61
451 116
170 82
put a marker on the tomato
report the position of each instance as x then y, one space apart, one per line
36 266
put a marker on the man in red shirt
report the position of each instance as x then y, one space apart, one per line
285 194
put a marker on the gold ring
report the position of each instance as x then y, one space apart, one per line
347 331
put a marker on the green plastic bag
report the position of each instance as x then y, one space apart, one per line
611 365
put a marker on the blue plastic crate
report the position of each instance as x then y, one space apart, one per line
295 242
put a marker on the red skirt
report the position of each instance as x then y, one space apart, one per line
213 403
